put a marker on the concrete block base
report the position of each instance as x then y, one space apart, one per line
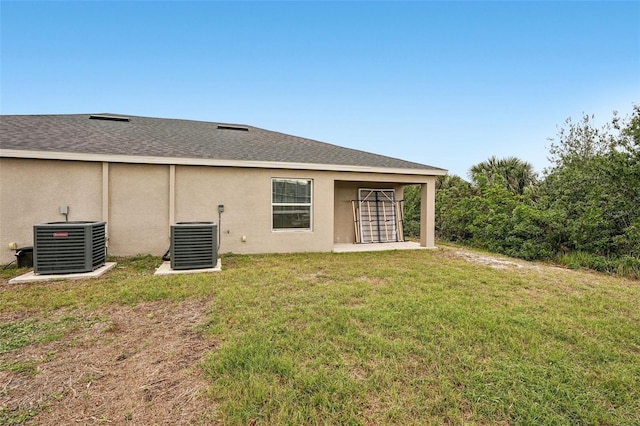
165 269
30 277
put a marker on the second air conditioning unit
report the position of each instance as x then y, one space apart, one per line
194 245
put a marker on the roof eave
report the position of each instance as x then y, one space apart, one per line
134 159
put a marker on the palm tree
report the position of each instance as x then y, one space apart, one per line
451 181
515 174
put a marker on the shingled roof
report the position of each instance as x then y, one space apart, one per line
110 134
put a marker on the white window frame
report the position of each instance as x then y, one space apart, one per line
310 205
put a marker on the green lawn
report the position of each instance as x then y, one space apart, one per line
404 337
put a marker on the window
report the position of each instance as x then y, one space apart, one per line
291 204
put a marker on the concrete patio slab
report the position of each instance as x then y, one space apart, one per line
406 245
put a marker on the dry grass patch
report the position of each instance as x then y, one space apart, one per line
124 364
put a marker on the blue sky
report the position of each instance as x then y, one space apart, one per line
447 84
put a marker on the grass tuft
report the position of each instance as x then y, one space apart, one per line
624 266
17 334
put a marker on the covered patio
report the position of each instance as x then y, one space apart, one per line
368 214
352 248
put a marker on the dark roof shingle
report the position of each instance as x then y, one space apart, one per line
161 137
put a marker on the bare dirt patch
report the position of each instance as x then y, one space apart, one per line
497 262
129 365
488 260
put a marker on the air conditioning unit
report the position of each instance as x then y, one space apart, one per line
68 247
194 245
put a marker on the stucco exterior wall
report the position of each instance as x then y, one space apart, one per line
32 191
138 221
246 196
140 201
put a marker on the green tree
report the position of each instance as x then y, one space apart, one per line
411 222
453 213
585 211
513 173
491 213
595 180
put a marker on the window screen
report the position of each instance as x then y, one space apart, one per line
291 203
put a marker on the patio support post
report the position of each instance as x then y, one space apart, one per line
427 213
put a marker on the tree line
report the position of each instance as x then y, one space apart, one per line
583 211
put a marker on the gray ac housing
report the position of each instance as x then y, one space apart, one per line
68 247
194 245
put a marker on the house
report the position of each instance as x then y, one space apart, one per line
268 191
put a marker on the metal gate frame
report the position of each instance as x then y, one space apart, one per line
377 216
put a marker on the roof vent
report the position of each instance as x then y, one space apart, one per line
230 127
108 117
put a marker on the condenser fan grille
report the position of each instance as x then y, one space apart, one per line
68 247
194 245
